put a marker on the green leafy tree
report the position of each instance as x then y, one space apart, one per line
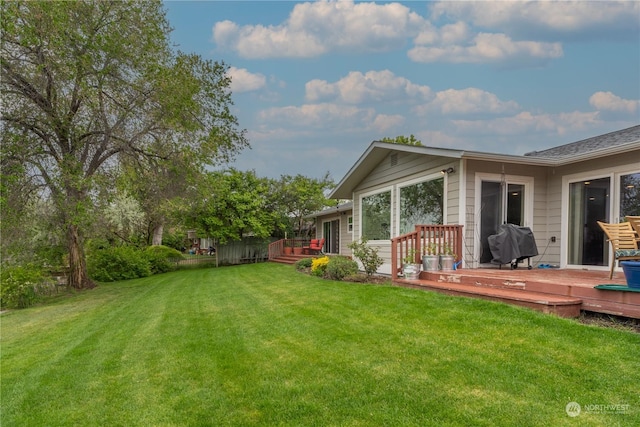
410 140
300 196
232 204
159 184
88 83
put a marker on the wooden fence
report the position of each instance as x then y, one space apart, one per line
245 251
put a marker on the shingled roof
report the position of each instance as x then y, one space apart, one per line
596 143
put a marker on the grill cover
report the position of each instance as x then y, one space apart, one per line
512 242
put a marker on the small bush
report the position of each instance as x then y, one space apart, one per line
367 255
340 267
118 263
303 263
158 258
19 285
319 265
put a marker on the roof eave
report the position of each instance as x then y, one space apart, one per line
376 151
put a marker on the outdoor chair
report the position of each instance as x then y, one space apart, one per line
315 246
624 242
635 223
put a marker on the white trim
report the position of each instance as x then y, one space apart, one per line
462 209
391 190
529 201
614 208
330 220
422 178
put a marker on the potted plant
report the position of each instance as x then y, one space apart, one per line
410 269
430 259
631 271
288 249
447 257
297 247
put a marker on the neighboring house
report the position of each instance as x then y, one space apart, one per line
559 193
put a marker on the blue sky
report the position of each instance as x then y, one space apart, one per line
314 83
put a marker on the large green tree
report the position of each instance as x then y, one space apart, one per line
300 196
232 204
87 83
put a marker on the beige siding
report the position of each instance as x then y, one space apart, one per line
346 237
547 216
391 173
548 197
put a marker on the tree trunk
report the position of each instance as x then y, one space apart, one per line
158 229
78 276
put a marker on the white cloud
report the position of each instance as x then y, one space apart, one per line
244 81
323 116
584 19
383 122
313 29
372 86
525 123
607 101
467 101
526 32
486 47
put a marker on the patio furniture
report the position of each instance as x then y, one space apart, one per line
315 246
624 242
635 223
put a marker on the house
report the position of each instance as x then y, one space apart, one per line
559 193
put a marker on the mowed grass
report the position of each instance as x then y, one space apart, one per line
261 344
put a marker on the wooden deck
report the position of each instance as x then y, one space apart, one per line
289 259
562 292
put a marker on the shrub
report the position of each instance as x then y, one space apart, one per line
319 265
303 263
340 267
20 285
118 263
158 258
367 255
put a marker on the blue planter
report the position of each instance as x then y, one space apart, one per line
631 273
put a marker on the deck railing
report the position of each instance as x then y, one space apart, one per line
442 238
277 248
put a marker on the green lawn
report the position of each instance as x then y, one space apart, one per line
261 344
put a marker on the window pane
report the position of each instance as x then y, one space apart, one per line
421 203
630 195
376 216
515 204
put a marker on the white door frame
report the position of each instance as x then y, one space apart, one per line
528 183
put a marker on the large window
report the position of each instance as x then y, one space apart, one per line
629 195
376 216
421 203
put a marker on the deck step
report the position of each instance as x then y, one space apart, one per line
625 304
562 306
289 259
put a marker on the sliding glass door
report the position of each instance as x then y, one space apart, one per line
502 202
588 203
607 199
331 234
